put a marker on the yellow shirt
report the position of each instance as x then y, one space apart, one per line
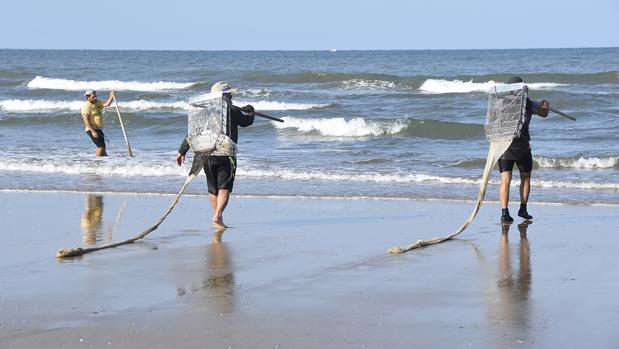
93 110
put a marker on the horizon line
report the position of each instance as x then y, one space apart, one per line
312 50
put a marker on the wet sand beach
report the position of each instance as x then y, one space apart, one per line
304 273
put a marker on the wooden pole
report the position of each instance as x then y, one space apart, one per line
563 114
122 127
268 117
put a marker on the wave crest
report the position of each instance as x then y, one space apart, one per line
581 162
41 82
439 86
361 84
340 127
36 106
133 168
359 127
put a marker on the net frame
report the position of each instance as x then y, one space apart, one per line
207 122
506 112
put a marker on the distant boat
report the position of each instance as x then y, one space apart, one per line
332 50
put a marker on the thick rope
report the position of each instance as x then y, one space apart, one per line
198 163
495 151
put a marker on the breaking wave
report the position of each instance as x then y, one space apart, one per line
361 84
410 178
581 162
133 168
41 82
439 86
359 127
340 127
115 167
272 105
35 106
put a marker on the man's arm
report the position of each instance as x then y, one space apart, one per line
110 99
182 150
542 108
87 122
245 116
89 126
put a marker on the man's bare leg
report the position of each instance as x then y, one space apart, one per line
212 199
101 152
222 201
506 179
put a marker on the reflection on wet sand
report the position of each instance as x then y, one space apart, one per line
93 227
507 293
510 308
513 308
218 282
91 221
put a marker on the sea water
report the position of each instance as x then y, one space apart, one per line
373 124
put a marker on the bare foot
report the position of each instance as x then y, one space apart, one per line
218 221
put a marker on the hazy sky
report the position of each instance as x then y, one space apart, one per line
308 25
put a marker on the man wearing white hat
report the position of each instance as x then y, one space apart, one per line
220 170
93 120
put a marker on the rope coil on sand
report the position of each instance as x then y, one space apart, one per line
196 166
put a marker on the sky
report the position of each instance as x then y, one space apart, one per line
308 25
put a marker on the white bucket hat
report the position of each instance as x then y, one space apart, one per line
223 87
88 93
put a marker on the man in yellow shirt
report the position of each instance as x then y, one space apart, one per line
93 120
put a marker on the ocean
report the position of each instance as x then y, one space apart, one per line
358 124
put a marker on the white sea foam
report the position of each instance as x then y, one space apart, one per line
41 82
458 86
340 127
357 177
34 106
272 105
108 168
581 162
362 84
411 178
136 168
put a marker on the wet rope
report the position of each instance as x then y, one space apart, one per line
196 166
497 148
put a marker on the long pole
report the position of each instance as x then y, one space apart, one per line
268 117
122 127
563 114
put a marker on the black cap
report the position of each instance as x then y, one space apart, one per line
514 80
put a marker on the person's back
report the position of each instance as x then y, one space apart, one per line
519 152
220 165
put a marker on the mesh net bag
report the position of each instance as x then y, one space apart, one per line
206 126
506 112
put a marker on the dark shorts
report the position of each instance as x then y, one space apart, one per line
525 163
99 141
220 172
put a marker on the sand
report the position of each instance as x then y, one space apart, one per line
304 273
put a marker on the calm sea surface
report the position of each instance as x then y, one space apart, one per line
379 124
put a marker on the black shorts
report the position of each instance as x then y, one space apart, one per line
525 164
220 172
99 141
